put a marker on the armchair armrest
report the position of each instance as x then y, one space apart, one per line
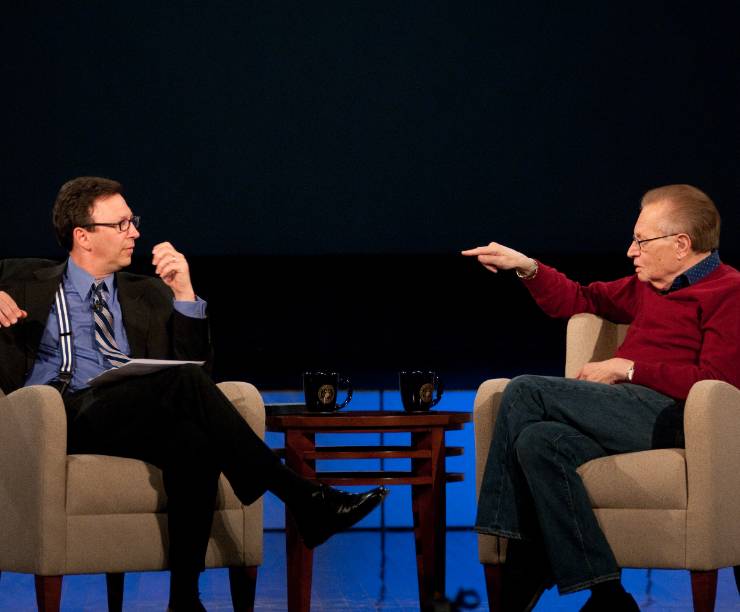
485 411
248 401
712 428
491 549
590 338
33 459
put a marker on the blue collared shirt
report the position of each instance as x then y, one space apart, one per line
89 362
695 273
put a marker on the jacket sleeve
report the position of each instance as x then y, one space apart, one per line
190 338
156 330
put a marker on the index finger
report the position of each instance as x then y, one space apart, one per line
481 250
491 249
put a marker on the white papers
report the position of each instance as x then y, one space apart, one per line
136 367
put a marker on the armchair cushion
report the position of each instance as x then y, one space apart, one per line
654 479
99 484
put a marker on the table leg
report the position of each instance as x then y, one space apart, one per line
300 568
299 558
428 505
440 522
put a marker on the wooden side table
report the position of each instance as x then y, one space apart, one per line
427 478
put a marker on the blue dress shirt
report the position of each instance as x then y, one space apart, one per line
89 362
695 273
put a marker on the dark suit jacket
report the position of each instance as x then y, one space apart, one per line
154 328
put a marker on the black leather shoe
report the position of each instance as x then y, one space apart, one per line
330 511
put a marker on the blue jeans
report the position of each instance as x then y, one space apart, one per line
545 429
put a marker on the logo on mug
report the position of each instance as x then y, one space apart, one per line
326 394
425 393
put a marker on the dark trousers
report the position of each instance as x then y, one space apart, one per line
178 420
545 429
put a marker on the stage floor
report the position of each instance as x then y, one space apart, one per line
383 577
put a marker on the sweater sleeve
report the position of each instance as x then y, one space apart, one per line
719 357
558 296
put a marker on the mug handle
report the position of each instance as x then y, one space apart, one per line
440 390
345 382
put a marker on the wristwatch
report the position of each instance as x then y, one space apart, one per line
531 274
630 373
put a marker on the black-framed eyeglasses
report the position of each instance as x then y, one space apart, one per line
122 225
639 243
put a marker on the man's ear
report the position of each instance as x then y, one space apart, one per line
81 238
683 245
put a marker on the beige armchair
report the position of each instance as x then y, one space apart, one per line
84 514
668 508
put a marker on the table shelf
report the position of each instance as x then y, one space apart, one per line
381 478
366 421
372 452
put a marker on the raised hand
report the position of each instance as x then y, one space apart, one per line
172 267
495 257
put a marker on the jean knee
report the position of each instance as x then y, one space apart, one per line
535 441
525 384
519 394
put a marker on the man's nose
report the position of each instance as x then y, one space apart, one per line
633 250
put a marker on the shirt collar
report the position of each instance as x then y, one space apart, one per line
82 281
697 272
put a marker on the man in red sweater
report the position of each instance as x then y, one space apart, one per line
683 307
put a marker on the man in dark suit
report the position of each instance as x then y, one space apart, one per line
63 324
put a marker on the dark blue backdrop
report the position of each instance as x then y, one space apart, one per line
369 127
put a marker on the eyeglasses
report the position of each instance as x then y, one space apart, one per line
639 243
122 225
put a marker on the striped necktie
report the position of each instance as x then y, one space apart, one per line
104 336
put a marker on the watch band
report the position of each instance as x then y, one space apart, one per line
531 274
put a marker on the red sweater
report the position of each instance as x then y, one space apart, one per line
675 339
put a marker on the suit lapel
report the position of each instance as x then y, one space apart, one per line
39 296
135 316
